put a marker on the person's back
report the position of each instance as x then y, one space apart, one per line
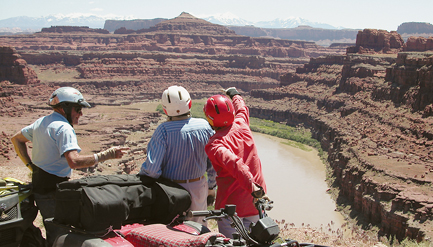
45 152
176 149
234 157
183 142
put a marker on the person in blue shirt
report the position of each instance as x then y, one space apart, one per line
176 150
55 151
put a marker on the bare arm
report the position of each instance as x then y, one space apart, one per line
76 161
19 142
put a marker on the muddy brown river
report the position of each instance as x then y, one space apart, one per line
295 181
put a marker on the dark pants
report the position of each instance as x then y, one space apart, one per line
47 204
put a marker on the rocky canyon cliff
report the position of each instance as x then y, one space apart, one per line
370 104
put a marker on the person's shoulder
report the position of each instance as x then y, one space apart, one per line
199 120
204 124
162 126
57 121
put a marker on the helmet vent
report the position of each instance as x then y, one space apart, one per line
168 98
228 107
180 95
217 109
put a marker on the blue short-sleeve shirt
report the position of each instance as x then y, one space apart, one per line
52 136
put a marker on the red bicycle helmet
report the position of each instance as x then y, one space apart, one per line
219 111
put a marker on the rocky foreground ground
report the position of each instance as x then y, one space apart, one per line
131 125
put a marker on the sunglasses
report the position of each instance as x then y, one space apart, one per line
78 109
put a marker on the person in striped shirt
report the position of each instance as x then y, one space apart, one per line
176 150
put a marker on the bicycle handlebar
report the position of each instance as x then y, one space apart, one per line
228 211
205 213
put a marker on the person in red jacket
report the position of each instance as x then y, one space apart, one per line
234 157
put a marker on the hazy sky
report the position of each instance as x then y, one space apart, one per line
378 14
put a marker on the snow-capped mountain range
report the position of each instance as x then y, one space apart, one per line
228 19
36 23
25 23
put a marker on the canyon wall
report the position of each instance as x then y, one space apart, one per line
372 115
319 35
371 108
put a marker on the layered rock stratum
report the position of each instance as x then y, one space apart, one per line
370 105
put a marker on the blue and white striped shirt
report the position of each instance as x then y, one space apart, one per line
176 151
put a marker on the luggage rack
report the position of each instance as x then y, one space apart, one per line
12 224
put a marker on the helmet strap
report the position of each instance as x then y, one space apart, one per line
218 128
180 117
67 109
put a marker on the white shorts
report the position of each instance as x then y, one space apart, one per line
198 191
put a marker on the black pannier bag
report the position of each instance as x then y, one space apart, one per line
96 203
170 201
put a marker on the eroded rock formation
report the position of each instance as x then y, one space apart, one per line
186 22
183 34
419 44
13 68
371 114
321 36
377 41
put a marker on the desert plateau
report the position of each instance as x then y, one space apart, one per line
369 104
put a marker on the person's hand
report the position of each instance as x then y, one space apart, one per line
30 165
265 197
112 153
120 151
231 92
259 193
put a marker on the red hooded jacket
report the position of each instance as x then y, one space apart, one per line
234 157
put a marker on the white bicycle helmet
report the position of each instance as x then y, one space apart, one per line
176 101
67 95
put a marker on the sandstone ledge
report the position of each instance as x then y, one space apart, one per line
372 124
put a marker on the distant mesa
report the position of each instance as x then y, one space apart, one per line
190 24
320 36
73 29
185 23
304 26
415 27
133 25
